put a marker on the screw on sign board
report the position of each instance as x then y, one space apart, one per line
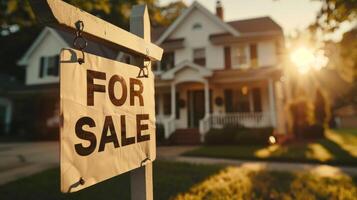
107 107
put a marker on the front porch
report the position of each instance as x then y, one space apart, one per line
193 97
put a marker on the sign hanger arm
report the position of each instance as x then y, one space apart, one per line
61 14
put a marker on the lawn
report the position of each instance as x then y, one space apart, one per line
169 179
179 181
338 148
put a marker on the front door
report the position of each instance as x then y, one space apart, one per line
196 107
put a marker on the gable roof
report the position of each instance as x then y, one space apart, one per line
170 74
260 24
182 17
66 39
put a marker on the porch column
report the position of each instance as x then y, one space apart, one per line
173 100
207 103
272 102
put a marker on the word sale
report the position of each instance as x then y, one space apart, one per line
109 132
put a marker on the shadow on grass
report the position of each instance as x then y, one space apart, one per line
169 179
340 156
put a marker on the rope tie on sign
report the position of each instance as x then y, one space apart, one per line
79 42
144 70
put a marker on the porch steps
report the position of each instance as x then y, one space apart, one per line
190 136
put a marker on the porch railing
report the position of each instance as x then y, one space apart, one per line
169 126
251 120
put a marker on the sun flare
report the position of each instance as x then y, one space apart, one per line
306 59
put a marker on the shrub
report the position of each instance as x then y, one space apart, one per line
239 135
321 108
220 136
314 131
301 114
254 136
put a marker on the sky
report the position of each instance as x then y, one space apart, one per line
290 14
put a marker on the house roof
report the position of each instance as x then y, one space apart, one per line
255 25
66 38
259 25
182 17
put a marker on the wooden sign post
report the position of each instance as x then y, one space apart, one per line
141 178
102 137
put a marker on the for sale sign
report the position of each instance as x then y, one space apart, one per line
108 119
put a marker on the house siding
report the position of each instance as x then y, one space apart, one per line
199 39
50 46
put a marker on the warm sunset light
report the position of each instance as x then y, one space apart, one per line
306 59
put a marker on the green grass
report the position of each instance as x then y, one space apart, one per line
169 179
180 181
237 183
338 148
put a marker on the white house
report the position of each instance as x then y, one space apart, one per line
216 73
213 73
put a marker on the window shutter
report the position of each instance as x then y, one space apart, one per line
227 58
56 65
253 55
42 66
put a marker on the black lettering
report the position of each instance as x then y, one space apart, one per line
91 87
124 140
85 135
113 99
137 93
141 127
108 125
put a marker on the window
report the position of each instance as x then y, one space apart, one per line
199 56
239 56
49 66
197 26
168 61
237 101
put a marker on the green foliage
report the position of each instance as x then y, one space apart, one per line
334 12
337 148
117 12
238 135
321 108
170 178
301 115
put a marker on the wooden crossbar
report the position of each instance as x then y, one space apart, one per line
58 13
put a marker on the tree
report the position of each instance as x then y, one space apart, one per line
335 12
19 13
321 108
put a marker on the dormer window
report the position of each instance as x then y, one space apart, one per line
197 26
49 66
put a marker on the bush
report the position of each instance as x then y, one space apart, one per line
314 131
321 108
301 113
219 136
254 136
238 135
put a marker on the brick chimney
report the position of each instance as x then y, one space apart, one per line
219 10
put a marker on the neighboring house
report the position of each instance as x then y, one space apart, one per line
213 73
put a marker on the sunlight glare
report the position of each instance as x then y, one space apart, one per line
306 59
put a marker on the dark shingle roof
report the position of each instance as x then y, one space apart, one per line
261 24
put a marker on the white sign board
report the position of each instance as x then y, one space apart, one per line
108 119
